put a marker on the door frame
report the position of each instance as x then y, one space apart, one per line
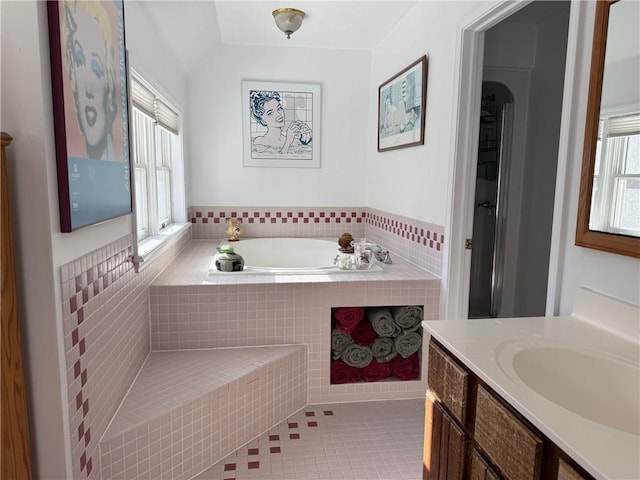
468 75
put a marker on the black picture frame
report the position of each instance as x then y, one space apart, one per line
91 111
402 103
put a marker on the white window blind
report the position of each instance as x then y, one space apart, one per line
622 126
145 100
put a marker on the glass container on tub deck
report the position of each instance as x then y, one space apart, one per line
363 253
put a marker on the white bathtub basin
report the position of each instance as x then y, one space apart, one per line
288 256
599 387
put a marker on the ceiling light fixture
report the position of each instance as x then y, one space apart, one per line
288 19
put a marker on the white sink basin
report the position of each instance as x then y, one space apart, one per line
601 388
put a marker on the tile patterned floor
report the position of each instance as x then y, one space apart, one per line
345 441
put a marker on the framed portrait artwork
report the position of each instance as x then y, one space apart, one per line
281 124
91 111
402 102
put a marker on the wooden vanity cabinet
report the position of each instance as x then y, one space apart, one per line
472 433
479 469
445 444
508 442
567 472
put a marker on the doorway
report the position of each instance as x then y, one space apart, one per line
487 254
530 186
523 217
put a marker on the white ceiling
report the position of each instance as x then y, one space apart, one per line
193 28
328 24
623 38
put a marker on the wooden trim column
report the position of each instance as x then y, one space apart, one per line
15 455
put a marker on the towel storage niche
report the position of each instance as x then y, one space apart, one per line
376 343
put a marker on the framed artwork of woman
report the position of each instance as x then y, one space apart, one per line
90 102
281 124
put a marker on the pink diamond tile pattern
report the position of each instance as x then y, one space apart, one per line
358 441
188 409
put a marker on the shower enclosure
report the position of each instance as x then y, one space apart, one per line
487 257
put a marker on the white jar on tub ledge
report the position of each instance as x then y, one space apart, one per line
344 261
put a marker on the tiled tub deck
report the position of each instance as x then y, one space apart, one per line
190 309
194 320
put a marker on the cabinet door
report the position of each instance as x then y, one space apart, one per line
448 382
444 445
509 443
479 469
567 472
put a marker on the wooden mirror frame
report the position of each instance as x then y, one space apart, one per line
608 242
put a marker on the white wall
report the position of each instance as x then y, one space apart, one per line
611 274
414 181
620 92
348 148
151 57
511 45
541 164
217 175
27 117
39 246
431 28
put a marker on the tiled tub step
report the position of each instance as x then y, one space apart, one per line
189 409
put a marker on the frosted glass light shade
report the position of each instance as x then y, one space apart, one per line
288 19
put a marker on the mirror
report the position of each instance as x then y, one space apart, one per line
609 202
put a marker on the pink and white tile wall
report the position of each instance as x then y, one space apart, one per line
106 339
189 409
419 242
208 223
108 308
207 316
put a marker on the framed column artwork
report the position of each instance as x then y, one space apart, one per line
91 111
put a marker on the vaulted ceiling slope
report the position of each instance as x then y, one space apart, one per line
195 28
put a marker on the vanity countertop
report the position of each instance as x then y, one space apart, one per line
490 347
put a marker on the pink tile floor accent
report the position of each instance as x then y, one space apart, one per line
188 409
353 441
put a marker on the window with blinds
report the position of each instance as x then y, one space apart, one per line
615 202
145 100
154 140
